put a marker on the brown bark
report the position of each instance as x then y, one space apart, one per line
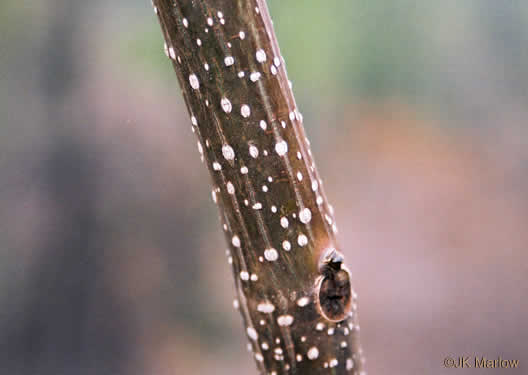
293 290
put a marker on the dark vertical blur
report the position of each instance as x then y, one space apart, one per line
64 326
58 329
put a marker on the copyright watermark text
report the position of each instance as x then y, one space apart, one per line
480 362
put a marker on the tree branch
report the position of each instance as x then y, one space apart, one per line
293 290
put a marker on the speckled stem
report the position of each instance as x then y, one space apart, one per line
293 292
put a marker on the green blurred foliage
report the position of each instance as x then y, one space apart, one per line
144 51
354 47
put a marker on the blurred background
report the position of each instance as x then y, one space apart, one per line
111 257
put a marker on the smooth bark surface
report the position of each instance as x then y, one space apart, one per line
293 290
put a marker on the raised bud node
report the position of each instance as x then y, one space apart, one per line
333 287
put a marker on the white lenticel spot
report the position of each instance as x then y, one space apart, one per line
276 61
266 307
245 111
228 152
172 53
299 176
253 335
285 320
312 353
217 166
226 105
242 35
263 124
244 275
235 241
244 170
229 60
185 23
302 240
286 245
254 76
253 151
305 215
241 74
303 301
230 188
284 222
315 185
210 21
271 255
281 148
298 115
261 56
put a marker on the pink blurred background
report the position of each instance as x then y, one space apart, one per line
112 260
